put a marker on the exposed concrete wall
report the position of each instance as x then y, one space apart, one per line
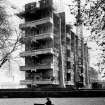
63 49
70 53
60 43
43 44
86 63
56 69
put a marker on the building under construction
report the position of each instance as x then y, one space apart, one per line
51 57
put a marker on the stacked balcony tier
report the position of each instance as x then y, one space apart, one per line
37 67
34 38
39 52
36 22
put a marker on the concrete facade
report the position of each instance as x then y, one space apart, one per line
51 48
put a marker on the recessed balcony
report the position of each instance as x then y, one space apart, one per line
37 67
39 52
37 37
36 22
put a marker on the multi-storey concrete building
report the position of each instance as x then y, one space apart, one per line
79 59
50 54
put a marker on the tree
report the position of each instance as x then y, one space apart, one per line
7 44
93 18
96 19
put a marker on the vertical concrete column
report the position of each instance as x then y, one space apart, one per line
62 79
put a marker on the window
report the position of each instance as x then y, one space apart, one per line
67 41
68 76
68 65
68 53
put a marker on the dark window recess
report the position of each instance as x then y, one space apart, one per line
68 76
32 46
67 41
29 76
45 3
81 78
30 6
68 53
81 69
72 45
68 65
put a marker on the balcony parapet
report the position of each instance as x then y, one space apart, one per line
39 52
26 82
37 67
36 22
37 37
43 82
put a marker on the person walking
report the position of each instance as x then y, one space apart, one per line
48 102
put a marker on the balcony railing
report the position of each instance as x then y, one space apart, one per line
39 52
41 66
43 82
37 37
36 22
34 82
26 82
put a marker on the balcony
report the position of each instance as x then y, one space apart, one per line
37 37
39 52
43 82
36 22
33 82
37 67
